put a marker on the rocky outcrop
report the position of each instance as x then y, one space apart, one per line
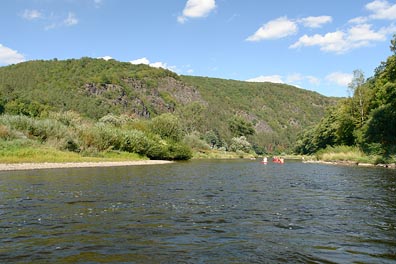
145 97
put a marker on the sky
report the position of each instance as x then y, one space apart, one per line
311 44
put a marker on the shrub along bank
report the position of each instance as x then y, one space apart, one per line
69 135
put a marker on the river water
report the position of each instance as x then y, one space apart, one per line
199 212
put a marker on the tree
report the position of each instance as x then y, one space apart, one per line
240 127
167 126
393 44
356 88
381 127
240 144
192 116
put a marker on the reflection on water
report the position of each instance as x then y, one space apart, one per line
199 212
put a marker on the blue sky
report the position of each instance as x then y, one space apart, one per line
315 45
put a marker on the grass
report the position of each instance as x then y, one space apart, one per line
345 154
26 151
219 154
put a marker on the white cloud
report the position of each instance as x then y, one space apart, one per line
358 20
31 14
275 29
363 33
315 22
268 78
298 78
295 79
196 9
342 41
106 58
71 20
333 41
283 27
141 61
382 9
10 56
340 78
157 64
313 80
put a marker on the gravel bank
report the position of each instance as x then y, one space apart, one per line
36 166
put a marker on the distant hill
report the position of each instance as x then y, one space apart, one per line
95 88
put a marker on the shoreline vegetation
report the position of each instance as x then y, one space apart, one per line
61 159
350 156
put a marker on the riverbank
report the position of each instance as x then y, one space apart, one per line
60 165
351 156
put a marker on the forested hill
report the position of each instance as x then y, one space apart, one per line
270 115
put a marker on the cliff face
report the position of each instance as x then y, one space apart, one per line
137 97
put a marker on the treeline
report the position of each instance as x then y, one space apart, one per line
35 88
269 115
366 119
211 114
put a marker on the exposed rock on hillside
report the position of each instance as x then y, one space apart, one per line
141 97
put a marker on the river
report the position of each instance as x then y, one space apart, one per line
199 212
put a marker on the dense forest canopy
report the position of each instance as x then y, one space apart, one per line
366 119
117 96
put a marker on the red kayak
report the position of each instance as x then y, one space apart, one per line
278 160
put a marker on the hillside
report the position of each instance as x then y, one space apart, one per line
277 111
209 107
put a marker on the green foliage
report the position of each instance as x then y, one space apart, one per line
5 133
193 116
179 151
367 120
91 87
68 118
126 96
381 128
275 112
194 141
214 139
167 126
240 144
41 130
344 153
240 127
135 141
92 139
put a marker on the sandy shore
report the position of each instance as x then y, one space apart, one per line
36 166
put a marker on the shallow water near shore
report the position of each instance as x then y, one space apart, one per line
199 212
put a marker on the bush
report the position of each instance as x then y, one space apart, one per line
179 151
36 128
5 132
194 142
240 144
100 136
157 148
134 141
167 126
117 121
68 118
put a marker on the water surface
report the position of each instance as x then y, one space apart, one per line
199 212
